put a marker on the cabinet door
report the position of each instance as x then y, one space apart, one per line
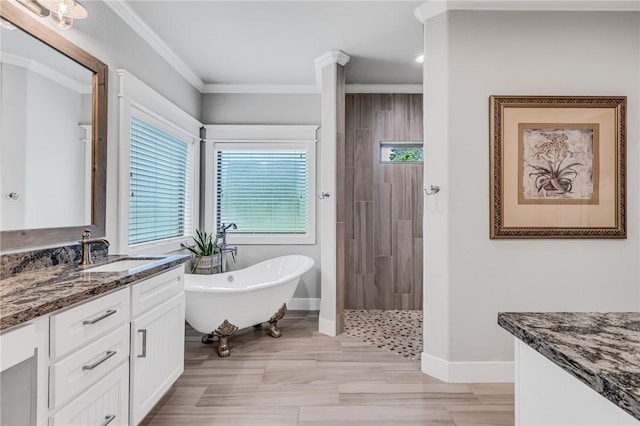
157 354
103 404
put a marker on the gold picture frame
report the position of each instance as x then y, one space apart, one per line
558 167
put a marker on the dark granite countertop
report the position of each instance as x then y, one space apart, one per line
28 295
600 349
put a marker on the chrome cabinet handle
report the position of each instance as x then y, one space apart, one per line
108 355
108 419
100 318
144 343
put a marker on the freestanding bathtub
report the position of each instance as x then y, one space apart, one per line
220 304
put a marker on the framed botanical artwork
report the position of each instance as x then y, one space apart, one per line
557 167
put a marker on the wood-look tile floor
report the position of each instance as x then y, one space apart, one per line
306 378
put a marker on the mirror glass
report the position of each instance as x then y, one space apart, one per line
62 187
46 136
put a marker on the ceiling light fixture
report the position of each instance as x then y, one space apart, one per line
61 12
419 59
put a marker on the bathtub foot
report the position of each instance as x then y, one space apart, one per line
273 322
225 330
207 339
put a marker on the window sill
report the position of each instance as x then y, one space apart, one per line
159 247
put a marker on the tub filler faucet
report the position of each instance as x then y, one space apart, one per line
223 248
86 242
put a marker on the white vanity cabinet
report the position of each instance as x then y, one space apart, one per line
89 362
106 361
18 366
157 339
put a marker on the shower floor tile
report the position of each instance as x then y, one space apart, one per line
394 330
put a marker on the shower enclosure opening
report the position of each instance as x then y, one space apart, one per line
383 205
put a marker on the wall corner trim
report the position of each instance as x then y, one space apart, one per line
327 327
467 371
433 8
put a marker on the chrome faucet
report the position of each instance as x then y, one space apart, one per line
86 242
222 246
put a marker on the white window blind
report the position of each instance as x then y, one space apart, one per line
263 191
160 185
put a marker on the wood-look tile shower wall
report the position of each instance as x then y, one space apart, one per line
383 204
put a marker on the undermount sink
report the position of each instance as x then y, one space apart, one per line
121 265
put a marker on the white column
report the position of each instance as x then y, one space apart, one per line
436 317
327 74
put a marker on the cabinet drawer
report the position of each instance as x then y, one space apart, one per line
83 368
152 292
77 326
105 403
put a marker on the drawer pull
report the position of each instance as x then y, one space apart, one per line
100 318
144 343
108 419
106 356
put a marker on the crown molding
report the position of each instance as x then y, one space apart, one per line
384 88
283 89
331 57
430 9
434 8
143 30
262 88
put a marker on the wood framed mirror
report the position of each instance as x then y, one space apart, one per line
34 234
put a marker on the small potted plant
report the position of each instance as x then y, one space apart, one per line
207 259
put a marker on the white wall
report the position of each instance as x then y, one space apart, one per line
104 35
528 53
272 109
247 108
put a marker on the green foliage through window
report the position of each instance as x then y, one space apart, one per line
408 152
263 191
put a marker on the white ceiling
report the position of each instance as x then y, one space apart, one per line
276 42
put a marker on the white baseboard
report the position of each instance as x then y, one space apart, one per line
327 327
467 372
304 304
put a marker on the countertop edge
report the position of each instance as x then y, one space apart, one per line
605 387
119 281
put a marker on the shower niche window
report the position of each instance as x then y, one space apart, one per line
401 152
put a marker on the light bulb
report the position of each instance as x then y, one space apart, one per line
62 22
68 8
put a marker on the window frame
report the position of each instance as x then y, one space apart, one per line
256 137
168 118
399 144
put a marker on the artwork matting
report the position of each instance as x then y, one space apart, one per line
557 167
